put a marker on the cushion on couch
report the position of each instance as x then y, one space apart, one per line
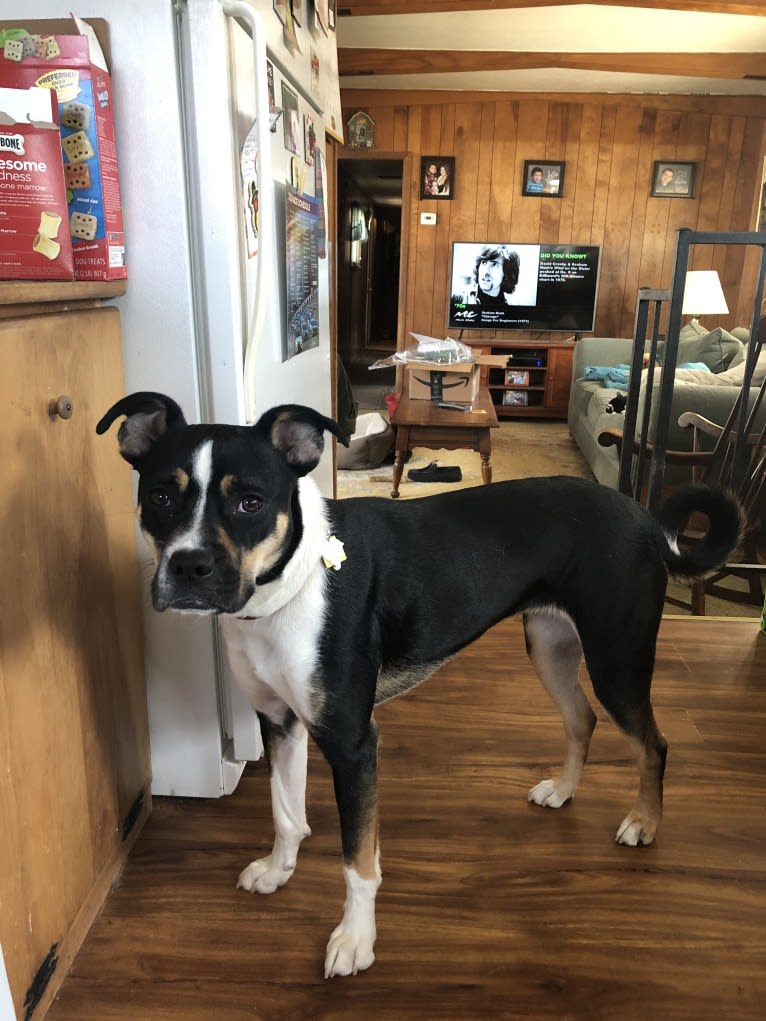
733 376
692 329
717 349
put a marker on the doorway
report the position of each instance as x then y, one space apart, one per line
370 216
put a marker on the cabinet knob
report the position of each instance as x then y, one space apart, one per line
62 407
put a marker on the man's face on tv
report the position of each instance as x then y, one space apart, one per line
490 277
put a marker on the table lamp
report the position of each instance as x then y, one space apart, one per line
703 295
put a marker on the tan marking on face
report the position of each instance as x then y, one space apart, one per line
182 479
227 484
266 553
228 543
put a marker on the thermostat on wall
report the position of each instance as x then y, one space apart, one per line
428 218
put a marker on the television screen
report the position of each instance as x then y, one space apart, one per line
502 286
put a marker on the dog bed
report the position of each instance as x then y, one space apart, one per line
372 442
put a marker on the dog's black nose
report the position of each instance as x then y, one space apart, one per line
191 564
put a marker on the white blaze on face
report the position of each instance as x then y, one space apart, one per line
201 473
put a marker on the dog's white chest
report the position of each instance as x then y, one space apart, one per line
274 659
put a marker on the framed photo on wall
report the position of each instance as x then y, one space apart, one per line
672 179
542 177
437 177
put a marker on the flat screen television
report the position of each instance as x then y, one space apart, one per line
502 286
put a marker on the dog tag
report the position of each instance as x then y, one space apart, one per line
333 553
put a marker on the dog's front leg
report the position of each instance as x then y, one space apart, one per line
354 768
286 754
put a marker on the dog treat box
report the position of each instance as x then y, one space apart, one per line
34 235
66 58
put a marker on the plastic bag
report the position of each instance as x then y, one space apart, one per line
428 349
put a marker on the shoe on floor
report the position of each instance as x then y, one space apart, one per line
433 473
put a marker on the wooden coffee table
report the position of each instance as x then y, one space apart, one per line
421 423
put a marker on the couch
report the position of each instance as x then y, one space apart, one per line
709 385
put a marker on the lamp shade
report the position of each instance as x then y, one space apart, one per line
703 294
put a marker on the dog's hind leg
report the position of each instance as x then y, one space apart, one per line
287 754
622 684
554 649
354 769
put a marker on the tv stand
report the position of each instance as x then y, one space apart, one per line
536 380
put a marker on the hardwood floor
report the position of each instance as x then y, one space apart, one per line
490 908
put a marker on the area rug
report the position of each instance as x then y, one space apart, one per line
520 449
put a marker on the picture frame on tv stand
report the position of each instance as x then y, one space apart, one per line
516 398
499 285
517 377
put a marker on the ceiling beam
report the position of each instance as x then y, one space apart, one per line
732 66
728 106
355 8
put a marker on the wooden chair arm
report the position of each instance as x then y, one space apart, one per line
692 458
613 438
692 419
610 438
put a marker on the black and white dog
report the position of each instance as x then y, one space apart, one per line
330 607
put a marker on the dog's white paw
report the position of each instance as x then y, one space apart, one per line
265 875
349 951
636 829
550 793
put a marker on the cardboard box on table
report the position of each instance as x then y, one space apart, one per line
459 382
67 56
34 235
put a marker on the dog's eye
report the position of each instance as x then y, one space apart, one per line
250 504
159 498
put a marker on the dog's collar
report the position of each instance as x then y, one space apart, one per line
333 555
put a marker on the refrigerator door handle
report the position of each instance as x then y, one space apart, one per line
265 267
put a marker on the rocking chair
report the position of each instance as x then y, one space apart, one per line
736 466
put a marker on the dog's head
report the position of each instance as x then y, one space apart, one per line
217 503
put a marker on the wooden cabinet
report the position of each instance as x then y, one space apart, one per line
536 380
74 748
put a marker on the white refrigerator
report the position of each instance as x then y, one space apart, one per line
204 319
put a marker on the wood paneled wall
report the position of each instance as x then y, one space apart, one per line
609 144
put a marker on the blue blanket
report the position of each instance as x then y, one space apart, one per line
614 376
618 376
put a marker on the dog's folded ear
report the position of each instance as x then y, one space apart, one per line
149 416
298 433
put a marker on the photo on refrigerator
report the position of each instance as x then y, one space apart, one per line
290 119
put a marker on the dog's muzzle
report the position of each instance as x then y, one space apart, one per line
195 579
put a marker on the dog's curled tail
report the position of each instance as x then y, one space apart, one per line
725 524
